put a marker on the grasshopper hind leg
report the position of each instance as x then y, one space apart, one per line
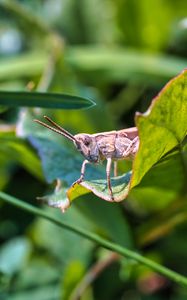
108 171
115 168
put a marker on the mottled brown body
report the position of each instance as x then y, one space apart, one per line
111 145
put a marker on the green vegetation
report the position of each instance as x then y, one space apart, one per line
59 58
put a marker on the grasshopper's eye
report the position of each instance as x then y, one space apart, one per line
87 141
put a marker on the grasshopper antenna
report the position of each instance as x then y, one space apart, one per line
57 128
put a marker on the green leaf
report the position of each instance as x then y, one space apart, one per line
29 64
162 184
62 241
162 127
16 150
14 254
48 100
43 293
60 162
120 188
37 272
73 274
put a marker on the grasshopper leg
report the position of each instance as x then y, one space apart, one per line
108 170
131 146
83 168
115 168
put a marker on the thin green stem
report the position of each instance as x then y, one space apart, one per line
96 238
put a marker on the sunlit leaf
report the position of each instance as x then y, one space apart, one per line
162 127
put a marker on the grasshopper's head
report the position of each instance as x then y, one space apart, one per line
87 145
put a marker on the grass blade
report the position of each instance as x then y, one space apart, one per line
45 100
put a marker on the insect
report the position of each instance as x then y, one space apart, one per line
111 145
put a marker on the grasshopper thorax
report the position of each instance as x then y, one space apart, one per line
87 145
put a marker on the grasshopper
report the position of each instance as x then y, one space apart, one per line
111 145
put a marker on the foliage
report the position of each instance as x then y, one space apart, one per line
48 51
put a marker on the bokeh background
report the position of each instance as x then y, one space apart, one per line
120 54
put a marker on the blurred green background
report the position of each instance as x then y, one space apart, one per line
120 54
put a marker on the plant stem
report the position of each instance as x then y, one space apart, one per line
96 238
